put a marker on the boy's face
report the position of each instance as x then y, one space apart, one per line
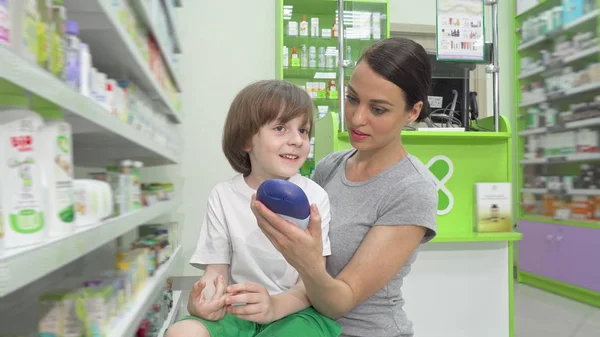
279 150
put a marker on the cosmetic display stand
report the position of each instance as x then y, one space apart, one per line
106 129
557 80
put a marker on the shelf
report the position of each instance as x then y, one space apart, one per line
561 95
583 19
145 13
533 72
129 322
114 51
550 220
173 23
568 59
177 299
310 74
85 115
479 237
23 265
569 158
594 121
573 192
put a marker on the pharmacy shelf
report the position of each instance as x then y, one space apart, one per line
588 122
145 12
534 190
572 192
129 322
113 50
565 222
564 94
172 317
21 266
568 59
583 19
569 158
87 118
173 23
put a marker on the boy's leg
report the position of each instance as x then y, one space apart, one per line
306 323
191 326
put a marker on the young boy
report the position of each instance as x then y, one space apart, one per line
266 136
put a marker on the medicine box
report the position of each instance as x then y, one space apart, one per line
493 208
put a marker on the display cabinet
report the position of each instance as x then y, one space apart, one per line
557 84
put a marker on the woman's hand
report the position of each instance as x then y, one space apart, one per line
251 302
211 309
303 249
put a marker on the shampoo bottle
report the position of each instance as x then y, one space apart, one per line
21 199
304 26
25 17
56 158
73 45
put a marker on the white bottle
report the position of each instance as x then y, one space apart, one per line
303 27
285 57
85 65
25 16
21 199
56 159
304 57
312 57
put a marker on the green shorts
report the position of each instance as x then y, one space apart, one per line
305 323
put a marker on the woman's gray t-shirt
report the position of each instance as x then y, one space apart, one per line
404 194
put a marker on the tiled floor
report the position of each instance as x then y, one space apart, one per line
538 314
542 314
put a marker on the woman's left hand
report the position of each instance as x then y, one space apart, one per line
251 302
303 249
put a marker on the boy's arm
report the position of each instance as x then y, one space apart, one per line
210 274
291 301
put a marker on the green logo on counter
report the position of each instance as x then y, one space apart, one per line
441 168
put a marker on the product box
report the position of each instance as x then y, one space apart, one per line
493 208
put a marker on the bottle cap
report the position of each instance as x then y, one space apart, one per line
72 27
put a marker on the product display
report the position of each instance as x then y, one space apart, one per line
493 207
58 48
90 305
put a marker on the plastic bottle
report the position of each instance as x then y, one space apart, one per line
59 43
73 66
43 34
304 26
21 199
25 17
304 57
56 158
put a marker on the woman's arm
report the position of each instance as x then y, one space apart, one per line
291 301
381 255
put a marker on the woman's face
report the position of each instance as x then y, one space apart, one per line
375 110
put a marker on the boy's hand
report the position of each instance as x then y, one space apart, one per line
251 302
212 309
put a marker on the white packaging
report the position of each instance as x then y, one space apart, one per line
286 57
93 201
85 65
56 159
24 18
312 57
21 199
303 27
292 28
314 27
493 211
322 109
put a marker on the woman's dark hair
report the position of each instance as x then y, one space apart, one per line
406 64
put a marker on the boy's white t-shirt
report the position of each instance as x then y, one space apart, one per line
230 235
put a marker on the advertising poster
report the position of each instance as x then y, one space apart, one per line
460 30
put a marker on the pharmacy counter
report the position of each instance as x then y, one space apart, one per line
462 282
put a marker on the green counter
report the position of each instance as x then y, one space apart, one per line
457 159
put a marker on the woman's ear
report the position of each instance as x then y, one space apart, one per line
415 111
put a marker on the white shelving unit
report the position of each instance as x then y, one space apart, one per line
114 51
20 266
128 323
146 14
177 298
99 139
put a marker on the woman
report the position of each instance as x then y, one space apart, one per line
383 200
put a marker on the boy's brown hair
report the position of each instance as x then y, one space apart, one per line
258 104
